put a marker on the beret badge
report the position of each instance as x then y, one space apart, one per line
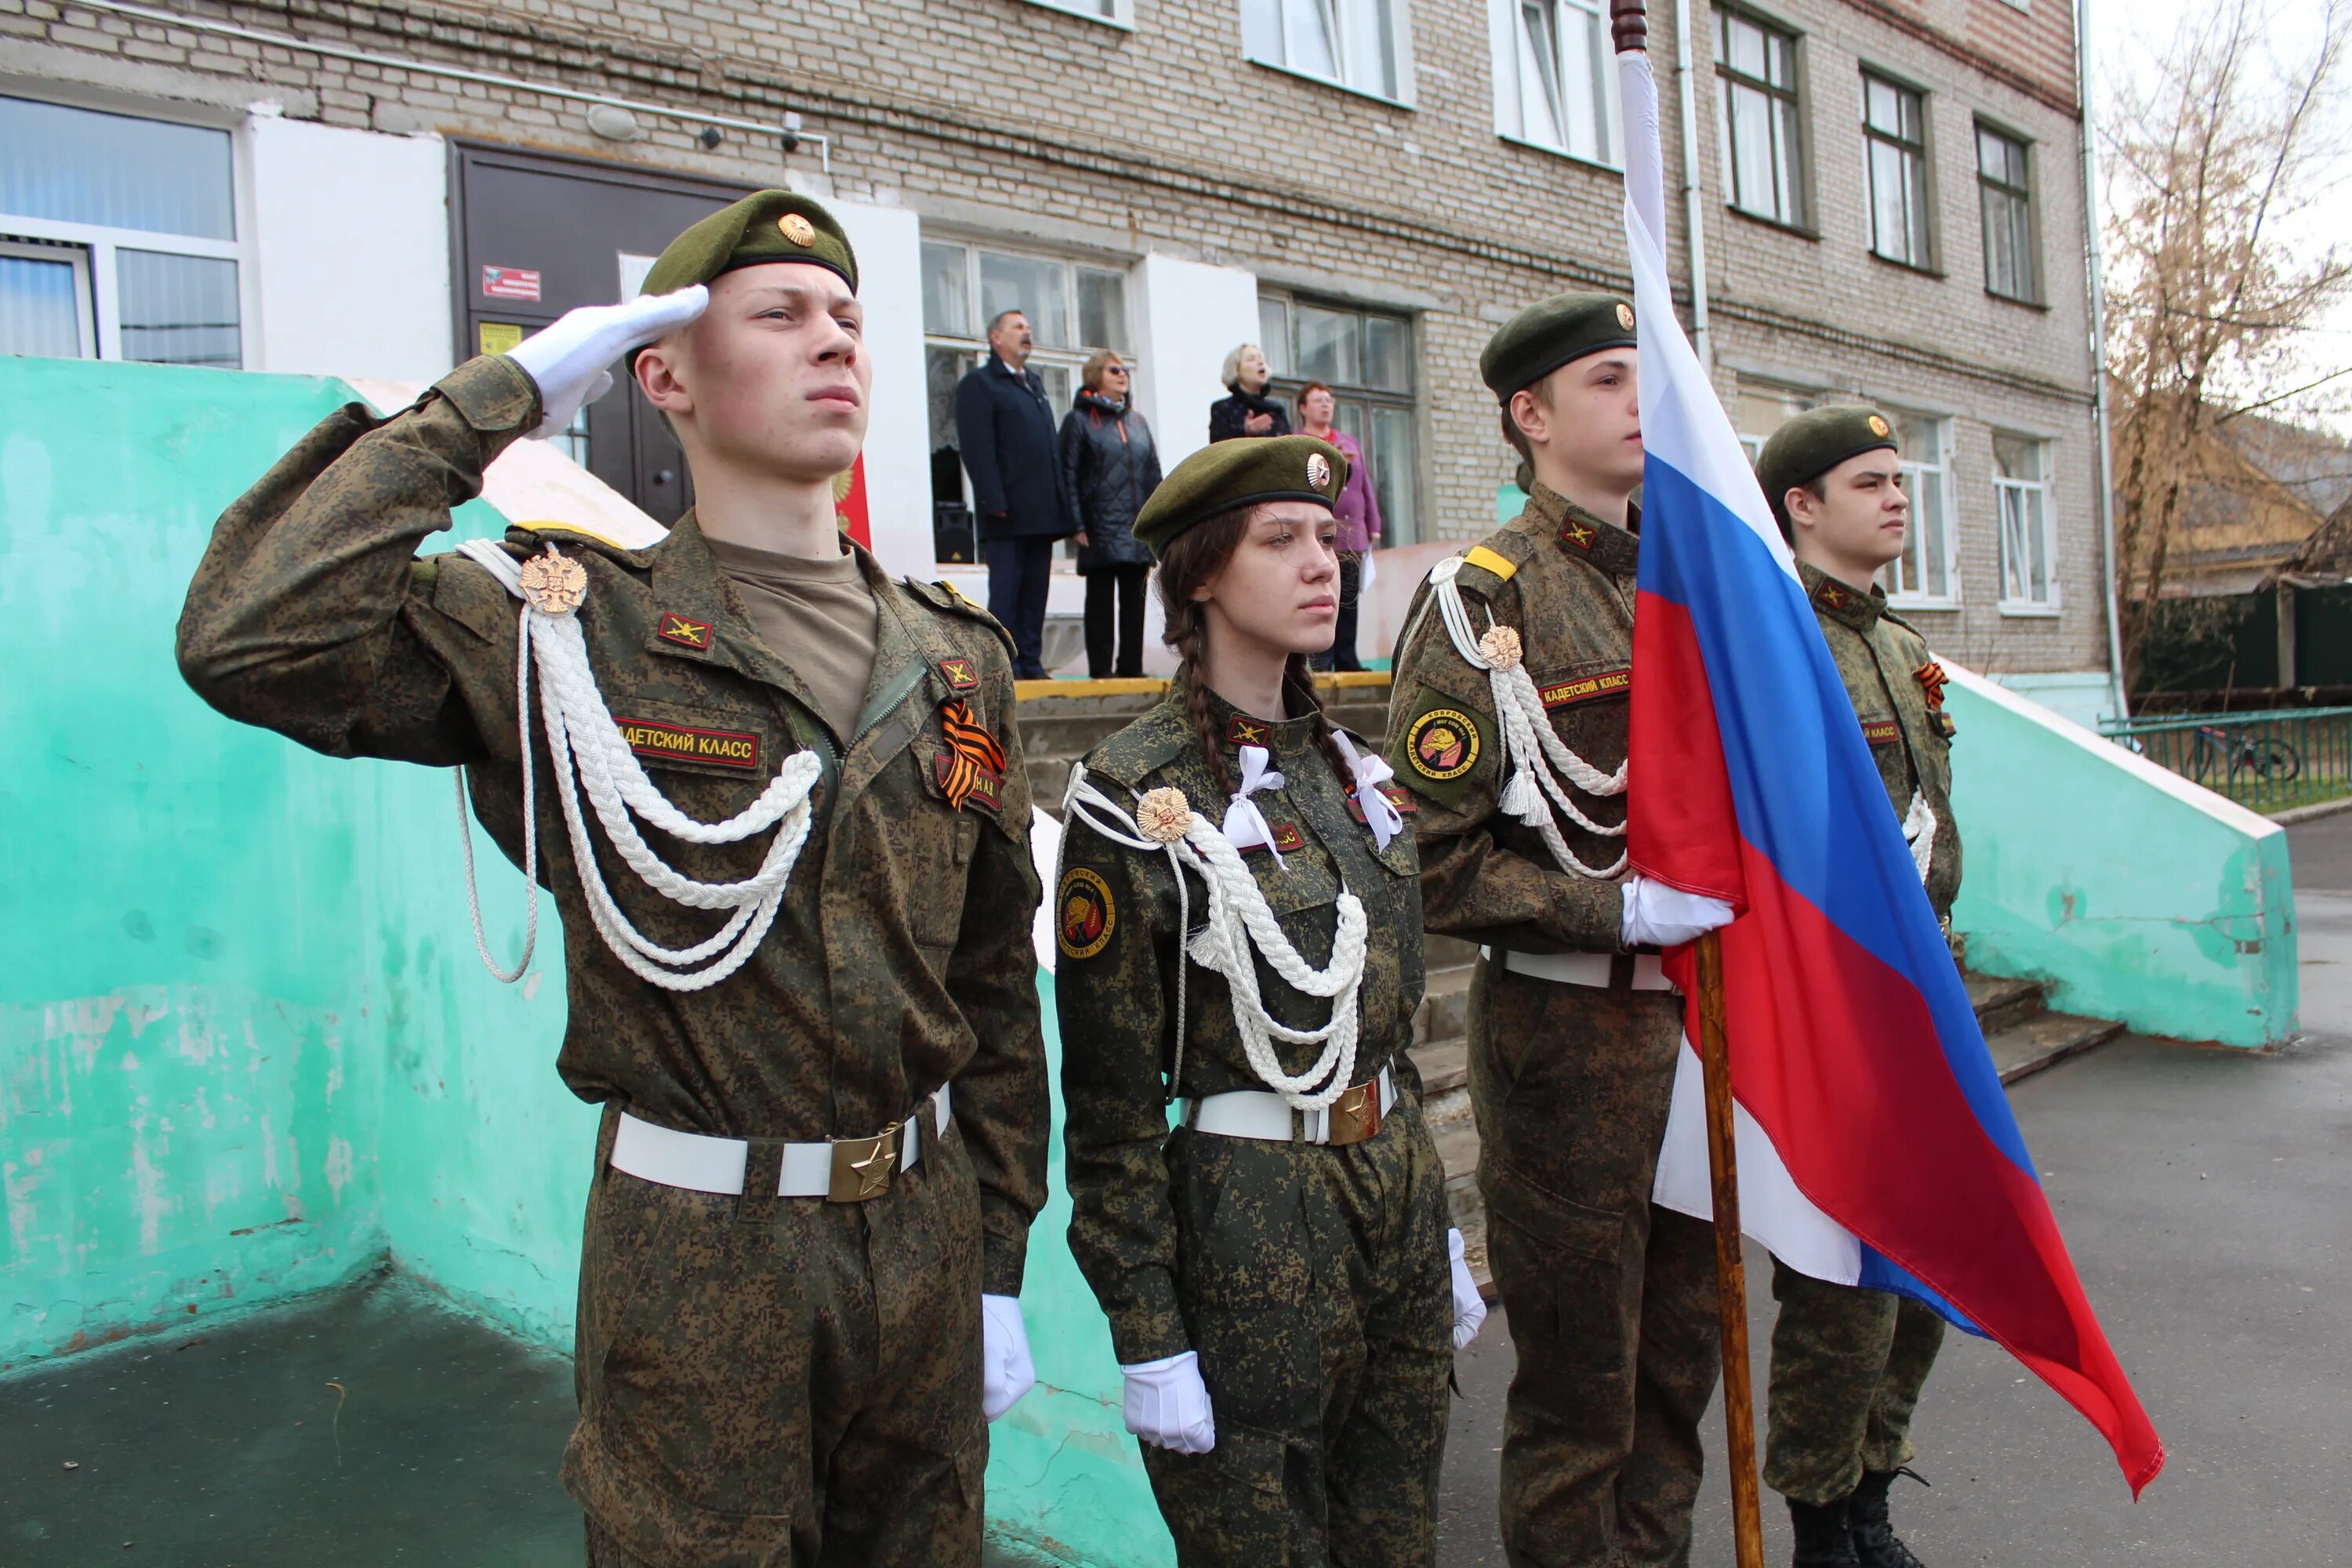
1318 472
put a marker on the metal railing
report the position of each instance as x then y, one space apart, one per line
2267 762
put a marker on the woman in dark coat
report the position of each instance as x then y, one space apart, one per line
1110 467
1248 412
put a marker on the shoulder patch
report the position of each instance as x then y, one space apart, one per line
948 599
1439 746
1084 914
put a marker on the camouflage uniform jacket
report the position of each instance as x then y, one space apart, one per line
901 957
1897 691
1564 579
1116 921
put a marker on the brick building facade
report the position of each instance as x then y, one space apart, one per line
1891 200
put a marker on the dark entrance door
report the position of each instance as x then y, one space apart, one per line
538 235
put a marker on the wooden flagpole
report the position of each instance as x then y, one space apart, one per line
1629 31
1730 1270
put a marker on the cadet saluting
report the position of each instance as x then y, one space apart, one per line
1240 934
1508 718
1848 1364
824 1117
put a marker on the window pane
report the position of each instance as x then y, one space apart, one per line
178 309
947 292
1888 233
1991 160
1927 542
1783 55
1751 142
1038 289
2017 457
1881 109
40 310
1307 44
1273 333
1327 346
1914 208
1921 439
942 369
1747 47
1350 417
1387 353
1102 309
1586 71
1541 118
1391 456
1372 53
76 166
1787 188
1262 30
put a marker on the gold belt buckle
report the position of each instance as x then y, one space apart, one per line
1356 1115
862 1167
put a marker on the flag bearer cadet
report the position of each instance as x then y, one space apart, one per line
1508 719
1240 939
1848 1364
796 898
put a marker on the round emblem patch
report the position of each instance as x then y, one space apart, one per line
1624 315
1319 471
1443 744
796 228
1879 427
1082 916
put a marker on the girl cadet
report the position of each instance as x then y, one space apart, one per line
1275 1268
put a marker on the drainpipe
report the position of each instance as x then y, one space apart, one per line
2099 359
1694 205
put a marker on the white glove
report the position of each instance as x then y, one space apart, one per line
1660 916
566 360
1469 1306
1168 1405
1006 1373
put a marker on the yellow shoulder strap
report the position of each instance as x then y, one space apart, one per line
1486 559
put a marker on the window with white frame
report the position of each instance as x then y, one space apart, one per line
118 237
1926 573
1366 358
2029 546
2006 200
1073 309
1118 13
1894 141
1555 76
1359 44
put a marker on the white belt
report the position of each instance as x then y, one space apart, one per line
845 1170
1256 1113
1592 969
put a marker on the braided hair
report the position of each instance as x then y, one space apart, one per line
1191 559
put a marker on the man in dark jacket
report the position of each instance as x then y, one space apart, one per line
1005 427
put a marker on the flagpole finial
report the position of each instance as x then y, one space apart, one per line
1629 26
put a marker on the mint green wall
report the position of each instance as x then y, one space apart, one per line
185 1041
2140 896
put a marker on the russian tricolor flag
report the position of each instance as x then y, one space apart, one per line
1876 1144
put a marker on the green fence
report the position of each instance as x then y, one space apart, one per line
2267 762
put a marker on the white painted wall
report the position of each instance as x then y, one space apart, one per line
888 243
1191 316
352 245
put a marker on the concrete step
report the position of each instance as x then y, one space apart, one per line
2002 1004
1444 1013
2044 1040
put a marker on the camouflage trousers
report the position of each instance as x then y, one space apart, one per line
1847 1368
1612 1300
1315 1287
780 1382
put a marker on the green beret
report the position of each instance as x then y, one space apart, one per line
1551 332
766 226
1816 441
1245 471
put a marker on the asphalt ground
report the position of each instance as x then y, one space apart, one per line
2202 1193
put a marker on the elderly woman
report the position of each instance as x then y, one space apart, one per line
1248 412
1358 510
1110 467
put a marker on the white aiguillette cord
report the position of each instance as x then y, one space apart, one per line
582 735
1527 735
1238 919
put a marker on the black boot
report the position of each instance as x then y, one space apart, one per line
1876 1544
1822 1540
